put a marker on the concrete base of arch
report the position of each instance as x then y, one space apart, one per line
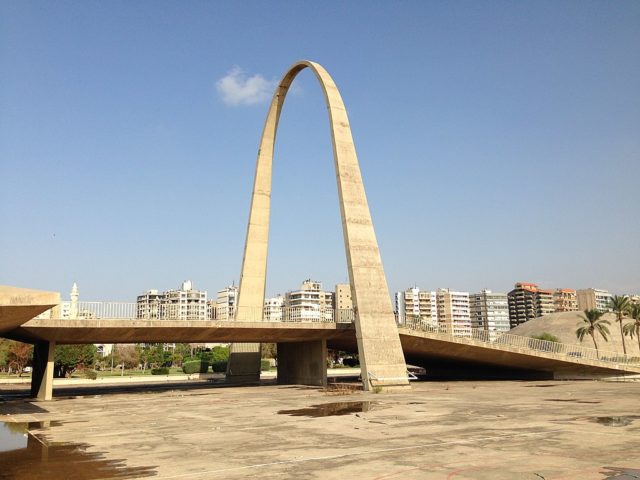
303 363
244 363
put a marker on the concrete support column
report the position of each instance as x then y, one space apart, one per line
244 363
42 374
303 363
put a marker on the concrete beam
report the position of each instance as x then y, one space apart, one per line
303 363
42 374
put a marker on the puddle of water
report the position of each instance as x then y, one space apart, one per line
13 436
622 421
332 409
25 455
618 473
543 386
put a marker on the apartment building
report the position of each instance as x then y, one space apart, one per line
453 312
489 311
309 303
274 309
185 303
149 305
226 301
527 301
593 299
565 300
414 304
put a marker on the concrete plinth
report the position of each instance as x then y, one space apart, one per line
42 375
303 363
244 363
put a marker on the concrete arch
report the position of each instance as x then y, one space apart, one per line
379 346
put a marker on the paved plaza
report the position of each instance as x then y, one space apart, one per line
438 430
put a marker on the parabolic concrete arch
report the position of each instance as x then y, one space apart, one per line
381 357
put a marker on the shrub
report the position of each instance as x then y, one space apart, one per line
549 337
160 371
350 362
219 354
197 366
90 374
265 365
219 366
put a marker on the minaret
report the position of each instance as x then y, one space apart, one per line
73 308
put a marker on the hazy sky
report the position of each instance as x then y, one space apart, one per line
498 141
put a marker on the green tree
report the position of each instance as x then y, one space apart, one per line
69 358
180 352
620 305
19 356
269 350
593 322
5 345
633 328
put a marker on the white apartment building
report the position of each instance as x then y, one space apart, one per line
274 309
453 312
183 304
309 304
149 305
489 311
226 301
593 299
416 305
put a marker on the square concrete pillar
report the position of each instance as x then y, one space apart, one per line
244 363
303 363
42 374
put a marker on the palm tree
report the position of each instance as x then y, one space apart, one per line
633 328
592 322
620 305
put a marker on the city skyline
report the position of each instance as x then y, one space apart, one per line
509 153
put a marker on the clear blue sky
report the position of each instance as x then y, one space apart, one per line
499 142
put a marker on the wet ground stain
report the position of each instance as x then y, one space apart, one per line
332 409
29 456
621 421
575 400
620 473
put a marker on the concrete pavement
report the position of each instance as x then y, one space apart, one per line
438 430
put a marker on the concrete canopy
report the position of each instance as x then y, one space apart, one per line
19 305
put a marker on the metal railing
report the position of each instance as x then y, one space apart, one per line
499 340
195 312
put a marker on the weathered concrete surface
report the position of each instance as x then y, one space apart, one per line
42 376
439 431
378 342
302 363
19 305
464 355
420 348
182 331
